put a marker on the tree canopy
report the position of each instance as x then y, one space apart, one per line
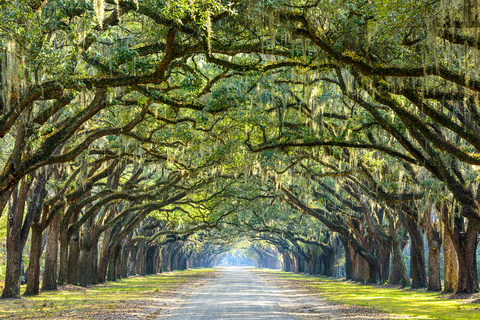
149 135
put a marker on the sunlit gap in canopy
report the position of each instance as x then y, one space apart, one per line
250 254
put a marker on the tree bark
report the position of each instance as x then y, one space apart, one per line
92 270
112 263
127 247
33 282
14 252
399 272
63 257
33 221
434 277
73 257
104 254
466 254
83 262
417 252
434 246
348 259
51 255
450 263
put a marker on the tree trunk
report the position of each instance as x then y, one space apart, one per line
14 251
65 239
127 247
112 263
348 259
399 272
73 257
329 262
385 253
374 273
92 268
466 254
140 260
417 252
450 263
33 221
434 246
50 272
33 279
434 279
63 257
83 269
149 260
104 254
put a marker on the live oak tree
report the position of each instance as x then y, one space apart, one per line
141 124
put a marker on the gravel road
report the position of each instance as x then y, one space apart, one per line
236 294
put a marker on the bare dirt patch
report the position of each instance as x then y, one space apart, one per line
155 304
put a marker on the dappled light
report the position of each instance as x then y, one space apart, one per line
336 138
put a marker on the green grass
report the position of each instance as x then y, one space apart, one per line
123 297
414 303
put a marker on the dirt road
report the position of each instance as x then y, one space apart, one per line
236 294
240 293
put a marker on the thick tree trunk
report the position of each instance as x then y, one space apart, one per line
374 274
348 259
399 272
173 254
92 270
112 263
450 263
150 261
73 257
317 263
287 262
417 252
83 262
160 261
14 248
104 255
63 256
127 247
170 256
434 245
434 277
50 272
139 261
384 263
358 265
65 245
87 256
329 262
33 279
33 221
467 263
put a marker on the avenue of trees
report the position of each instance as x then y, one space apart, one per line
340 137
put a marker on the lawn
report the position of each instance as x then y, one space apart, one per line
414 303
141 296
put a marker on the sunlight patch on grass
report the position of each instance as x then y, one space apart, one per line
72 302
418 304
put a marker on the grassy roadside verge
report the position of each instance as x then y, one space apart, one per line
412 303
114 300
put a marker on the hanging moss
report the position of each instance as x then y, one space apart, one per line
99 7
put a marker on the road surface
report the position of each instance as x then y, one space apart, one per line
236 294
